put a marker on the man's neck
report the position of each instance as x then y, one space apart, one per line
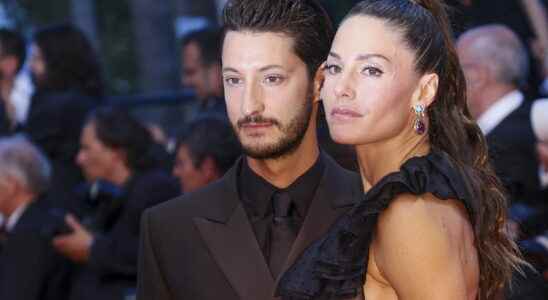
493 94
283 171
18 201
6 87
120 176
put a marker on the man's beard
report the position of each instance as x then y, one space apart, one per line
292 134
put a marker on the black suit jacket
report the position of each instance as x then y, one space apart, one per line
512 150
30 269
111 271
4 121
202 246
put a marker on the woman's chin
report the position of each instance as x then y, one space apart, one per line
345 138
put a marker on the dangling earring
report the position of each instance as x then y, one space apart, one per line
418 125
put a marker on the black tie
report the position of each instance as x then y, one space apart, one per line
283 231
3 236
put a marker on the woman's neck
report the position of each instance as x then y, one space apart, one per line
379 159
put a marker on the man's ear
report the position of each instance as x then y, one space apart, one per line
209 168
9 65
10 185
319 78
121 155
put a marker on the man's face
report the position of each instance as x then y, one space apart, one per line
190 177
37 65
474 74
8 65
7 190
195 72
267 92
95 158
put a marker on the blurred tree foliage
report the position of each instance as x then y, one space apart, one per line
117 46
337 9
40 13
117 41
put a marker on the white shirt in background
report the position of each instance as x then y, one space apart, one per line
492 117
14 217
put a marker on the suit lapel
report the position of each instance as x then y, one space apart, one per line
233 245
334 196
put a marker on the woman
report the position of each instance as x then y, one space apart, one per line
68 83
431 224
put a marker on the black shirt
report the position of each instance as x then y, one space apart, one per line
256 194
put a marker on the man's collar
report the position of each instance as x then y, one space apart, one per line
497 112
256 192
12 220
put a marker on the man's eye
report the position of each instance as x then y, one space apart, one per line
232 80
274 79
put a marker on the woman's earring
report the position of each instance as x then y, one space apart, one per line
418 125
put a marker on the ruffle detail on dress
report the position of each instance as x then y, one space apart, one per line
335 266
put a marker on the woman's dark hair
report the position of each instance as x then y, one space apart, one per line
71 61
425 29
117 129
303 20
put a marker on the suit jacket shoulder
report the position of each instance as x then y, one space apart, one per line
30 268
202 246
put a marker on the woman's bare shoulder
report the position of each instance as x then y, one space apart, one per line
420 241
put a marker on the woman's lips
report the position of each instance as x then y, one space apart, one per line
345 114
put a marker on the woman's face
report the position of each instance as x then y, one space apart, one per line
370 83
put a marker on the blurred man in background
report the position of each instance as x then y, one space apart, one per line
118 151
12 57
495 64
201 68
205 151
30 269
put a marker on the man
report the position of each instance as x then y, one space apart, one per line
234 238
495 63
201 61
12 56
29 267
205 151
117 149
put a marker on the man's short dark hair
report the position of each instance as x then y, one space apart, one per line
211 136
303 20
208 41
116 128
13 44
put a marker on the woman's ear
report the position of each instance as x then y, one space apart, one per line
318 84
429 88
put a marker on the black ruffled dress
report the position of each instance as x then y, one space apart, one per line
335 266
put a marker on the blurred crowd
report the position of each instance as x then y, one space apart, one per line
77 171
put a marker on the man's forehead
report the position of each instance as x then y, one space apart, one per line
258 50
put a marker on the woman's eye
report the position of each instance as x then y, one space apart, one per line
372 71
332 69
